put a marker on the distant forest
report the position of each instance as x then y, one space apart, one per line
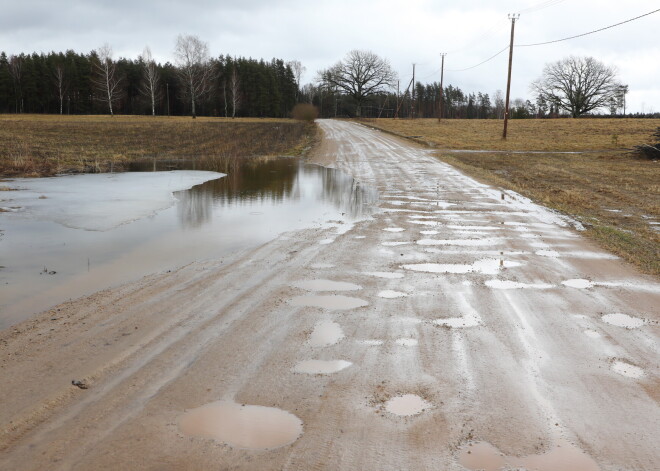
242 87
32 83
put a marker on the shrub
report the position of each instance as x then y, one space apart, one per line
305 112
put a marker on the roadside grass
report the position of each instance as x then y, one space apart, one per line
615 195
41 145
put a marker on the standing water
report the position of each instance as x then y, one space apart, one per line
64 237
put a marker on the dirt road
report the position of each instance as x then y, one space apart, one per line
456 315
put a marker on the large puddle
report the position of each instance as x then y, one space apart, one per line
242 426
74 235
483 456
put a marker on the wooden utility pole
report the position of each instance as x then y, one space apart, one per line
412 94
442 78
513 17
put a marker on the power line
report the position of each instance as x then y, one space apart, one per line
480 63
590 32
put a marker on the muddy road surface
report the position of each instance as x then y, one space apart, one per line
460 327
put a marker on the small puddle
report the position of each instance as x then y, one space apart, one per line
394 229
242 426
326 334
429 232
592 334
483 456
326 241
548 253
326 285
317 266
390 294
626 369
460 242
623 320
486 266
385 274
470 320
334 302
394 244
407 405
578 283
407 342
321 367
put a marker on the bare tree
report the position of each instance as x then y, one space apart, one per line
107 80
195 67
61 84
150 78
499 104
298 69
15 65
234 86
577 84
360 74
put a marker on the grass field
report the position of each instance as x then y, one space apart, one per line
615 195
39 145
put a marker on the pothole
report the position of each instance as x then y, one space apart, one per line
390 294
407 405
331 302
626 369
326 334
485 266
623 320
326 285
592 334
394 229
394 244
483 456
470 320
321 367
242 426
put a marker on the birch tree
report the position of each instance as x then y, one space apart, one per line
107 80
298 69
234 86
194 67
60 84
150 78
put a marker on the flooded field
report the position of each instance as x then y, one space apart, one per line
66 236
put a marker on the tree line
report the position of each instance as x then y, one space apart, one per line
94 83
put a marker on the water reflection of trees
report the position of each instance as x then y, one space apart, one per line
275 181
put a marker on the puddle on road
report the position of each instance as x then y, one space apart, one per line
385 274
326 285
623 320
485 266
429 232
592 334
394 244
391 294
332 302
509 284
321 367
460 242
242 426
407 405
578 283
626 369
147 222
326 334
548 253
326 241
483 456
407 342
394 229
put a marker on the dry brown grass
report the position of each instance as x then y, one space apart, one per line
614 194
39 145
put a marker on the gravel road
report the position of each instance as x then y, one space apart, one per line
459 327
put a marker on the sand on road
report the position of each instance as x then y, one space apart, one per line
459 323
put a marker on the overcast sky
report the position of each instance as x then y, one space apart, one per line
319 33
